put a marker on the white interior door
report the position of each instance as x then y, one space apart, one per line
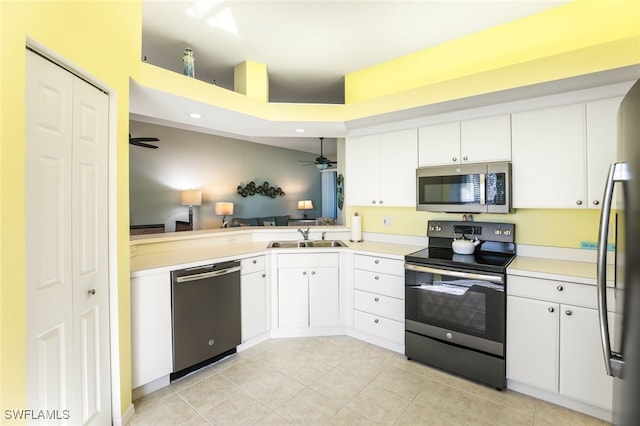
68 365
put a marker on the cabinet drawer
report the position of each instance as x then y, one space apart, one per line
373 282
379 264
306 260
554 291
252 264
376 304
379 326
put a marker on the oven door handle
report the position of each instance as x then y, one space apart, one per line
469 275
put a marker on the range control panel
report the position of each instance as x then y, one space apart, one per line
485 231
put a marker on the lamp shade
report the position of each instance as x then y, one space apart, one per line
191 198
305 205
224 209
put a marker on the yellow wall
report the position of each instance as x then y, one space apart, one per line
102 38
542 227
574 39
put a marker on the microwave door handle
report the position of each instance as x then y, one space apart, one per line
483 189
618 172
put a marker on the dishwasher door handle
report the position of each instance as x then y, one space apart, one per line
205 275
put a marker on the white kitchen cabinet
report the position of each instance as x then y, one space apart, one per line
479 140
253 296
381 169
151 339
548 150
553 339
561 155
378 298
308 290
602 131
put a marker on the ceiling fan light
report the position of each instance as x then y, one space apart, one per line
322 166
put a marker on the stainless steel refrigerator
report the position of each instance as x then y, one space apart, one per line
621 347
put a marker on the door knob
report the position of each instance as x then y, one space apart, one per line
92 291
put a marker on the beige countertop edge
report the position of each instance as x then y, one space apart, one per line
560 270
140 264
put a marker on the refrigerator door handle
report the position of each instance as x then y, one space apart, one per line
618 172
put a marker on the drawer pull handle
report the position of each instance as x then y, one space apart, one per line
376 299
376 261
255 261
313 272
376 320
568 313
376 277
551 310
559 288
264 275
304 273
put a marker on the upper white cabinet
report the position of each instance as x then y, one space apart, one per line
471 141
381 169
561 155
602 131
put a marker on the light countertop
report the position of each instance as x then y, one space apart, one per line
557 269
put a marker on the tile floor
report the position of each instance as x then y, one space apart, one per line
337 381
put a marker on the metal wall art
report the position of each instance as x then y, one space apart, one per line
252 189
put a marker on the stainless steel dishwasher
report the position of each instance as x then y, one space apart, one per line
205 305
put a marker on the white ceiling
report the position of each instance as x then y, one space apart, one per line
308 46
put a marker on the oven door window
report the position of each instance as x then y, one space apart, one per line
473 307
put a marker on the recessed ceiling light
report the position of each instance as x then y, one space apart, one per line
195 115
300 130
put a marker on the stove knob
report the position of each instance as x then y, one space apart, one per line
438 229
431 228
507 232
498 232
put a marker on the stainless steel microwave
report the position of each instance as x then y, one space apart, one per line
466 188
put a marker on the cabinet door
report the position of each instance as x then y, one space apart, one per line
324 297
293 298
602 131
486 139
397 169
549 162
151 342
253 288
361 163
439 144
582 371
532 342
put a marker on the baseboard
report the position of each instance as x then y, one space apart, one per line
126 417
557 399
278 333
150 387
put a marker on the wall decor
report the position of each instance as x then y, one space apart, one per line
340 190
188 61
252 189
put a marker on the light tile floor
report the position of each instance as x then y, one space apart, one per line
337 381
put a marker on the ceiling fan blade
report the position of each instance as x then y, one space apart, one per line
142 144
144 139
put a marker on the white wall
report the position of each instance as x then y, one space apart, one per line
216 165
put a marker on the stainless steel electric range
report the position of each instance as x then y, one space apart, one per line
455 304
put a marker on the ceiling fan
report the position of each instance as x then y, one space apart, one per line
321 162
141 142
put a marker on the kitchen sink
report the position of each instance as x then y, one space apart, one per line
306 244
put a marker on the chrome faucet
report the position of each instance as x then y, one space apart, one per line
305 234
323 235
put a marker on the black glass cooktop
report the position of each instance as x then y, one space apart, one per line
480 260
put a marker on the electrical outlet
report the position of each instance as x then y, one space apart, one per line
386 221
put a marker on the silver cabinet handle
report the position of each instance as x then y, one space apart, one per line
618 172
559 288
551 310
381 201
91 291
304 272
568 312
454 159
376 299
596 202
263 275
376 320
254 261
373 201
376 278
465 158
376 261
313 272
579 202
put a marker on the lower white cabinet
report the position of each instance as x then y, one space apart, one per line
253 296
151 339
378 297
553 340
308 290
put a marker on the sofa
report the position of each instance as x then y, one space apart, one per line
260 221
